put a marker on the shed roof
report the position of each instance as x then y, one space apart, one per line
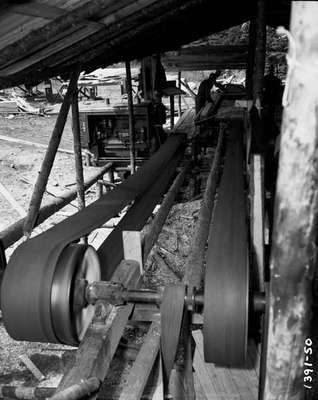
45 38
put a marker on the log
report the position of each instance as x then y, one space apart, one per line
130 118
194 265
47 163
15 231
160 218
293 251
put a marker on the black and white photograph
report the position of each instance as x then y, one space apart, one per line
158 200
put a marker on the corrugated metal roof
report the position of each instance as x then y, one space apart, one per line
45 38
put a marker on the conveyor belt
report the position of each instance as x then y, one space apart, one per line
25 297
111 252
226 280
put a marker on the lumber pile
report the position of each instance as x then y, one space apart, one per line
14 104
8 106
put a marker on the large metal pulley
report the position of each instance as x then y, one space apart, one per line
47 298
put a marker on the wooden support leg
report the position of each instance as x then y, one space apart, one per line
78 152
47 163
131 118
293 250
171 112
260 53
179 97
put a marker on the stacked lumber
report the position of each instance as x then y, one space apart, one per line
8 106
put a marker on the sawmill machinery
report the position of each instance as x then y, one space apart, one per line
52 283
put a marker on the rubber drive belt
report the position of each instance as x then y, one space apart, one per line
26 287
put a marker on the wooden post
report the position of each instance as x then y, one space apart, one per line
260 52
179 97
78 151
293 248
171 112
131 118
250 59
47 163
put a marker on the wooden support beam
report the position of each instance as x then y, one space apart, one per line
250 58
14 232
98 347
81 390
171 112
78 152
47 163
260 53
292 260
131 118
179 97
50 12
140 371
26 393
35 39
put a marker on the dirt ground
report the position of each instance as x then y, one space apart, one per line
19 166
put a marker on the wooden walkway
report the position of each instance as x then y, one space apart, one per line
218 383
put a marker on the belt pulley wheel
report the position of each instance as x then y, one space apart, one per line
76 262
46 297
172 309
226 293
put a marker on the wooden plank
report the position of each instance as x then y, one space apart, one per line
293 251
223 383
132 247
98 347
159 392
76 40
49 12
257 218
141 369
